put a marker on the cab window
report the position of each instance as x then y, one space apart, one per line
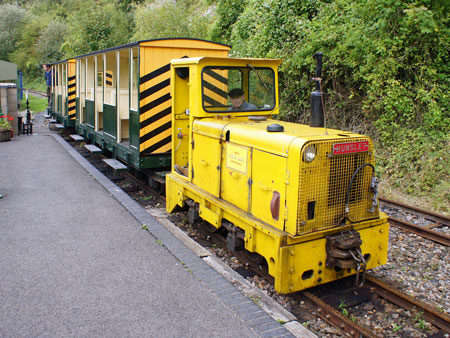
238 89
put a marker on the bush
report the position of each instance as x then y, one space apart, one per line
386 73
94 26
26 55
228 12
11 20
49 43
169 19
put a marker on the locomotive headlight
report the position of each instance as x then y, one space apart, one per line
309 154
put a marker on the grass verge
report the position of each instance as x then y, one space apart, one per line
37 104
416 171
36 84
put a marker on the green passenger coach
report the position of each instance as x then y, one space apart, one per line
122 97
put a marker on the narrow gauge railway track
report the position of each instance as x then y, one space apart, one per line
374 286
425 231
334 316
327 312
435 317
439 220
36 92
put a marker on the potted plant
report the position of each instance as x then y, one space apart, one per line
5 128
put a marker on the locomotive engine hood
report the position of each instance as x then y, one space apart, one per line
314 168
255 134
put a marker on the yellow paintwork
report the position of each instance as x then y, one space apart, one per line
154 56
236 168
287 257
71 92
185 43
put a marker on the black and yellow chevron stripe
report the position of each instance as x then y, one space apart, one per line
109 78
155 112
215 86
71 91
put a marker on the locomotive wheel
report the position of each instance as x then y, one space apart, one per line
210 228
193 216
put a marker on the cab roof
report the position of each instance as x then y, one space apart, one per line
221 61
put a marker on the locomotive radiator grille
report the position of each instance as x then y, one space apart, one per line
323 187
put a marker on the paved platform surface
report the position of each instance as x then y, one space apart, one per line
75 263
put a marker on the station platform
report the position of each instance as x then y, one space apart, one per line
75 261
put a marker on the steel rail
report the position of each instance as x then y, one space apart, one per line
36 92
329 314
433 235
435 317
431 216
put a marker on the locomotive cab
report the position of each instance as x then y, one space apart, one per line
303 198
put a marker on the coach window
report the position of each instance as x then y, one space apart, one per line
110 78
99 90
82 90
64 89
90 78
123 103
59 86
53 86
77 72
134 78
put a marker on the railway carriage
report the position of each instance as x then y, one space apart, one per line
63 92
123 101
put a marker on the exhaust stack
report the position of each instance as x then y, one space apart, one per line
317 98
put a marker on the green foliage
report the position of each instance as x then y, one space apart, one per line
396 327
169 19
386 74
94 26
11 19
128 5
25 54
343 308
49 43
36 83
416 164
268 28
228 12
4 123
420 322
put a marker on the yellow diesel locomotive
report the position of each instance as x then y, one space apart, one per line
303 197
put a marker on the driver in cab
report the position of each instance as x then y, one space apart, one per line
238 102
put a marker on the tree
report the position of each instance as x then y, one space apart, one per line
168 19
96 25
11 20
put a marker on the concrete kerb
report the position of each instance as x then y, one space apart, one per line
188 251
